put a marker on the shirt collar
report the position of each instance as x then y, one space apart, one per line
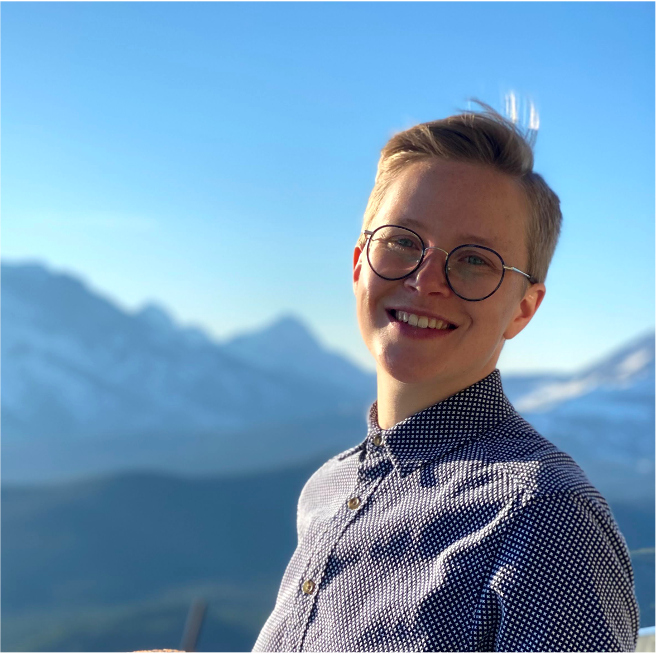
443 426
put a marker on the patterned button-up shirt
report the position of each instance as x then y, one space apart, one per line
458 529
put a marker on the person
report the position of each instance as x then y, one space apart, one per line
454 525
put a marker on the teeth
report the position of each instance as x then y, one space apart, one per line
421 321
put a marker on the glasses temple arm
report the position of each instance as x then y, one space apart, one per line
529 277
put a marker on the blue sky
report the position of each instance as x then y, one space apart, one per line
216 158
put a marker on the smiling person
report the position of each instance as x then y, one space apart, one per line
454 525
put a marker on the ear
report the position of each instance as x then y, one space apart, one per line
357 266
525 310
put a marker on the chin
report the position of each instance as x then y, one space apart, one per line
407 371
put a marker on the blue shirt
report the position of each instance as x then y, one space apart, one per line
458 529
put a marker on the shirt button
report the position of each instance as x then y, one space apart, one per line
308 587
377 440
354 503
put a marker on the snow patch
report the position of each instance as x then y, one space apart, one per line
546 397
634 363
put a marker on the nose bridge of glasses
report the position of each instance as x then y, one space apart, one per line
440 263
426 253
434 247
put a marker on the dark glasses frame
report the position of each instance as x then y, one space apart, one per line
369 234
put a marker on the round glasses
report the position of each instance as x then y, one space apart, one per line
473 272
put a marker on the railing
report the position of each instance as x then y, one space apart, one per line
646 639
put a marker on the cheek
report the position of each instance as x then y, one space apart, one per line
371 290
491 321
487 315
366 303
372 296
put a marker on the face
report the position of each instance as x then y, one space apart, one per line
447 204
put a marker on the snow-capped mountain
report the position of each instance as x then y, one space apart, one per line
604 418
77 366
630 367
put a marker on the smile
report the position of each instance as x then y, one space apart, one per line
422 322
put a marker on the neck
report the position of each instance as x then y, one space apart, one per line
398 400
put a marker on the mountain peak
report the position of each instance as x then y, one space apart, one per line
288 344
156 316
37 274
630 364
626 363
290 326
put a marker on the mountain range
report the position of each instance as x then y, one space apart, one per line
91 389
75 364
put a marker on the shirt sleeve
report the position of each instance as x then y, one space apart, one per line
562 581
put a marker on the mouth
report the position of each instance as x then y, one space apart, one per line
420 321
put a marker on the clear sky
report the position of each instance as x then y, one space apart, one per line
216 158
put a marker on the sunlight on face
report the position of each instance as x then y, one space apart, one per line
447 204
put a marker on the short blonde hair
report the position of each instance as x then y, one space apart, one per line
483 137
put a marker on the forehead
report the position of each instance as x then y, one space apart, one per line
451 203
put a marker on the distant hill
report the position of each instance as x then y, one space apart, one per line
87 564
80 558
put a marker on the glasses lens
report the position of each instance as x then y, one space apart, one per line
474 272
394 251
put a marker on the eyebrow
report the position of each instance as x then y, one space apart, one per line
464 238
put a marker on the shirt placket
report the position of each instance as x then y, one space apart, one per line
310 584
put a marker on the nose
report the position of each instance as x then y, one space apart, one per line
430 277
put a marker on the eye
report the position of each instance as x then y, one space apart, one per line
474 260
404 242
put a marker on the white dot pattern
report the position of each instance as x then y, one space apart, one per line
472 533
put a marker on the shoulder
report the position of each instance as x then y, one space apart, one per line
566 524
533 465
550 495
